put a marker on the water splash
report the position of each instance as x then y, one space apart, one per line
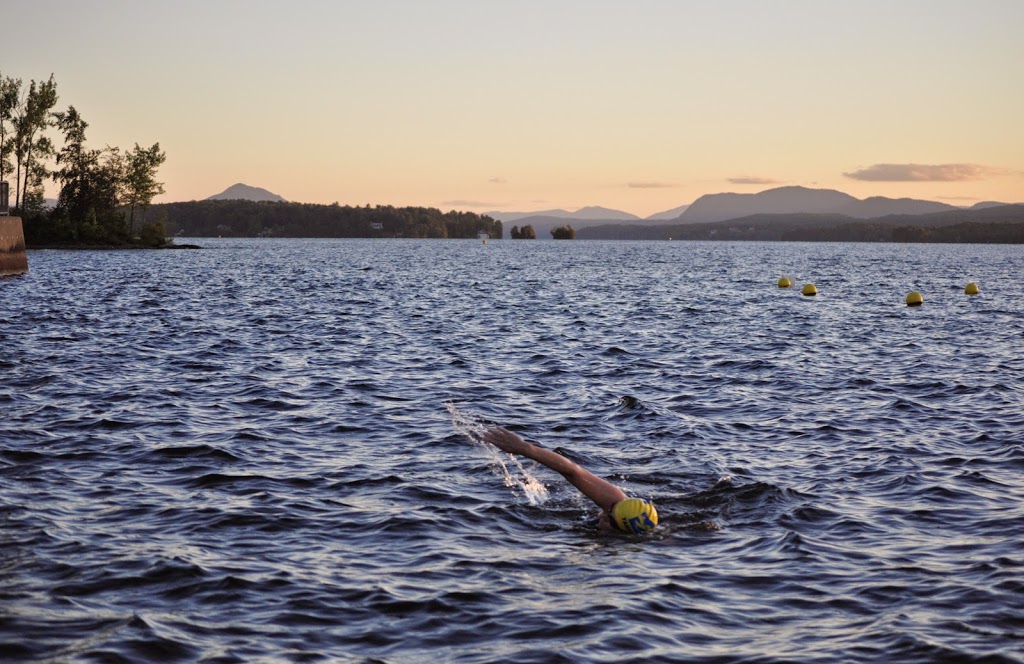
519 478
470 425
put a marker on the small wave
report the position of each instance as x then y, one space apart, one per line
215 480
273 404
109 423
746 504
162 572
194 452
744 365
22 456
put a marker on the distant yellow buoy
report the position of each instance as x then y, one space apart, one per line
809 290
971 289
784 282
914 299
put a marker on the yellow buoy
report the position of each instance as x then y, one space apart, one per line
914 299
784 282
971 289
809 290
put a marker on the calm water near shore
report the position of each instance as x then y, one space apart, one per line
264 451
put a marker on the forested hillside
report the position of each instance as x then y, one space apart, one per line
1002 224
239 218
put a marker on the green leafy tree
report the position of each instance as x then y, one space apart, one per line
75 166
90 180
10 91
140 185
31 147
153 234
514 233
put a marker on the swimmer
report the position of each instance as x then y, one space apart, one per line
618 511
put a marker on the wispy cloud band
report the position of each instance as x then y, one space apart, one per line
923 173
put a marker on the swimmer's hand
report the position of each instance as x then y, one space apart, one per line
507 441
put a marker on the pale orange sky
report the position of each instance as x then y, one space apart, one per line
533 105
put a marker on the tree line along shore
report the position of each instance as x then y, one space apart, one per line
242 218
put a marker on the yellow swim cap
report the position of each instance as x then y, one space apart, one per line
634 515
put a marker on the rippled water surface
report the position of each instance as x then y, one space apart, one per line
264 451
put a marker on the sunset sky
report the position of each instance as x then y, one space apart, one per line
527 105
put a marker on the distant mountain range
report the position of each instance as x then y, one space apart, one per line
980 223
723 207
593 212
243 192
709 208
802 200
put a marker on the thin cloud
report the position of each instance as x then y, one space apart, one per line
497 180
752 180
923 173
460 202
651 185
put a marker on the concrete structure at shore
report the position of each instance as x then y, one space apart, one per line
13 259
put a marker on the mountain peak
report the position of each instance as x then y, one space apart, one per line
245 192
598 212
780 200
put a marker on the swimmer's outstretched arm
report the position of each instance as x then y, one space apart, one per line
602 492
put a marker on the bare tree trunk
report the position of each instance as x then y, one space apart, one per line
28 172
17 187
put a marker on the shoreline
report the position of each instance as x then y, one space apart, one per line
107 247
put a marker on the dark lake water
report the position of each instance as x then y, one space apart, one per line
264 451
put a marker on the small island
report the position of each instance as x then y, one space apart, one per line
524 233
566 232
104 193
